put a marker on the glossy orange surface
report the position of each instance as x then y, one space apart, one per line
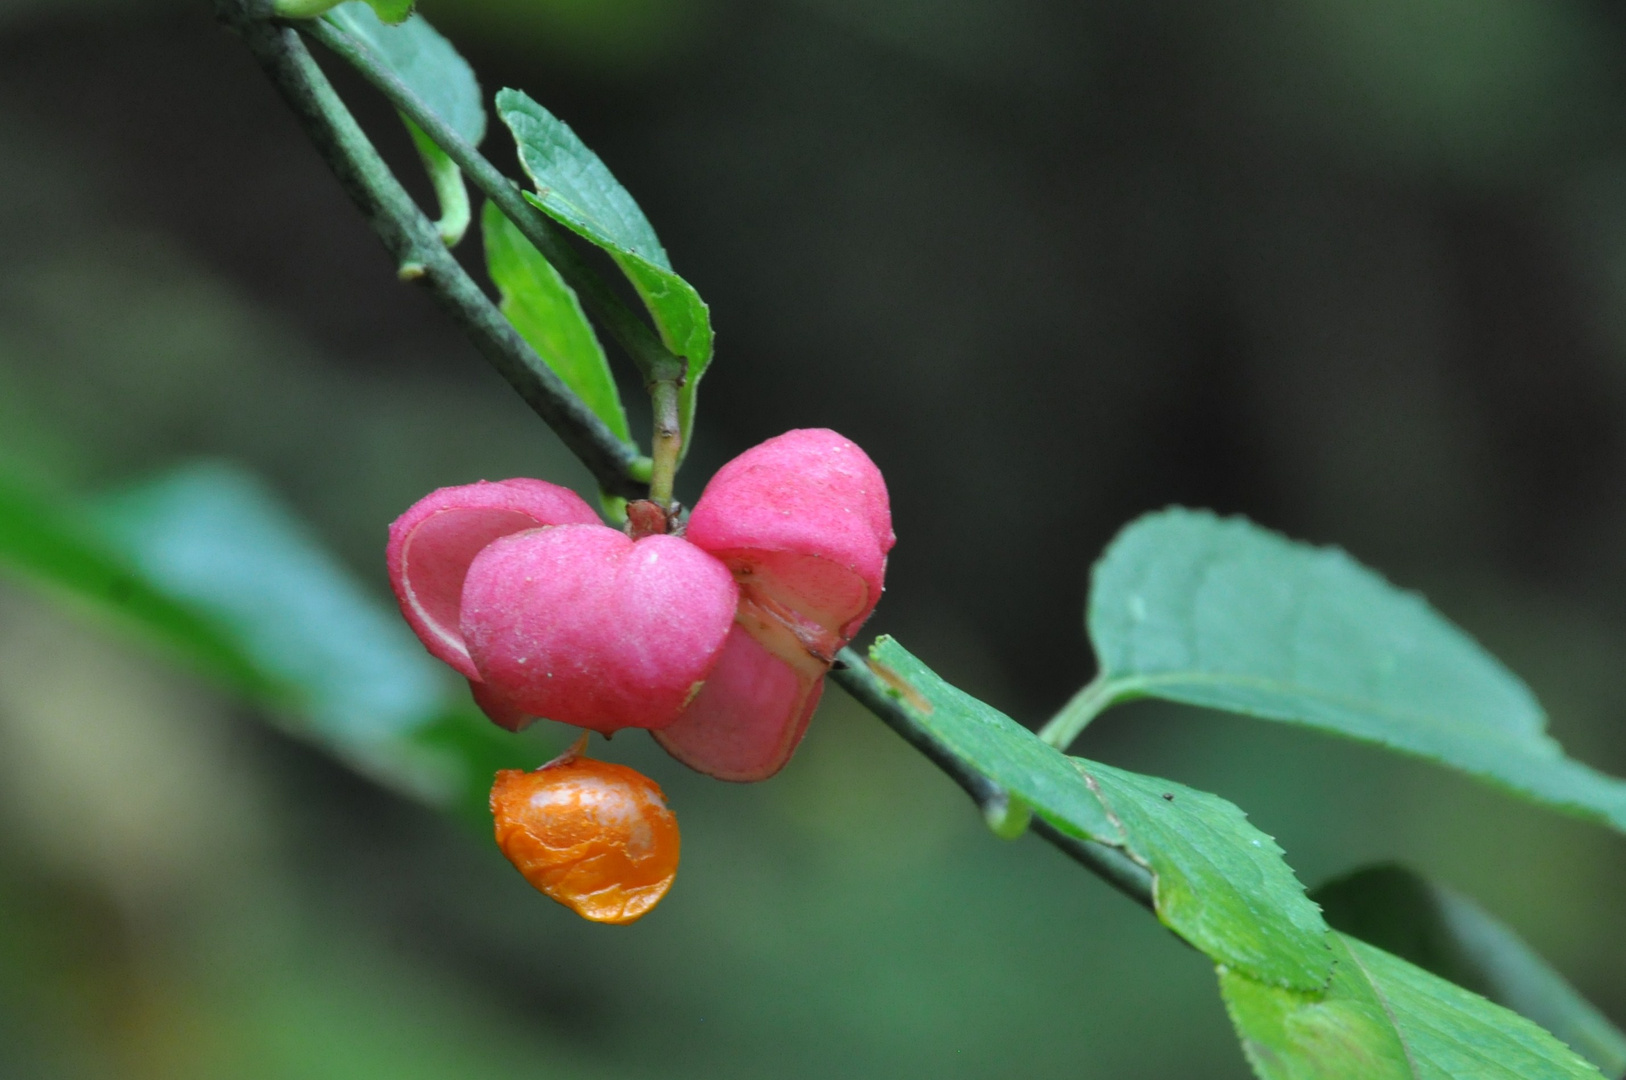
595 836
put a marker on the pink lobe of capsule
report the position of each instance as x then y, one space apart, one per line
581 624
804 522
432 545
804 525
749 717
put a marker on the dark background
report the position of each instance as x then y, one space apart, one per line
1354 268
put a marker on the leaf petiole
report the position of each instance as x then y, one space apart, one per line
1094 698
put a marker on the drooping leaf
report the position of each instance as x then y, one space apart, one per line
1218 612
420 57
1385 1019
1448 934
576 189
547 314
1218 882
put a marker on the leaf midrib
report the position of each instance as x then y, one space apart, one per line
1130 684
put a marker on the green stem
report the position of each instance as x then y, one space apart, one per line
1097 695
412 239
450 191
1108 863
654 360
418 249
667 445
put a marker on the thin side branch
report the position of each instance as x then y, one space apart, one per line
636 336
421 255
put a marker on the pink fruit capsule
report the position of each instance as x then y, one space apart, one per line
580 624
804 524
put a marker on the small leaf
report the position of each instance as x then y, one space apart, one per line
420 57
1446 933
1385 1019
576 189
1218 882
547 314
1221 613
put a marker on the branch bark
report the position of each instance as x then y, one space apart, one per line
411 238
654 360
420 254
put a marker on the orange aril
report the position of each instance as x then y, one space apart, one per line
595 836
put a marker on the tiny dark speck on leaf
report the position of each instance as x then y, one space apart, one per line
1169 795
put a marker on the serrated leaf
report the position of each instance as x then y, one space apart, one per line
1385 1019
545 311
576 189
1446 933
998 747
1218 882
1218 612
420 57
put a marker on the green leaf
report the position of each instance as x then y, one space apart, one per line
46 543
1446 933
206 563
420 57
576 189
998 747
1385 1019
547 314
392 11
1218 612
212 536
1217 881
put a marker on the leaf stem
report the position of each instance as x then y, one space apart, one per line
1094 698
653 359
417 247
447 179
667 444
1111 865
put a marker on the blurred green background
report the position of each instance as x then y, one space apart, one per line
1356 268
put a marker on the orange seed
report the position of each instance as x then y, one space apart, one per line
595 836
